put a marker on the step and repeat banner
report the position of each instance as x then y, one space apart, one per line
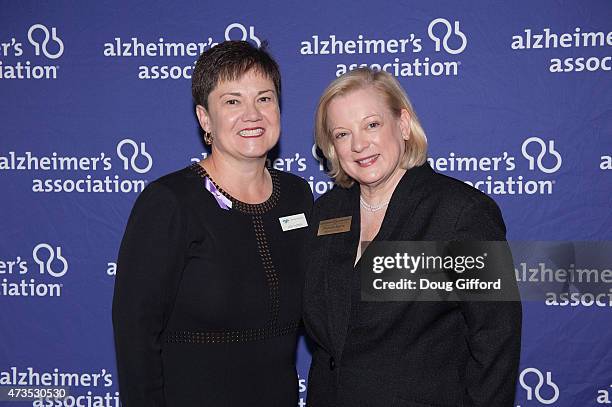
95 103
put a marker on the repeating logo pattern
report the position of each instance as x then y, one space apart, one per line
505 173
54 253
137 150
51 261
534 39
15 60
413 58
169 51
58 173
450 30
535 391
44 46
543 150
429 50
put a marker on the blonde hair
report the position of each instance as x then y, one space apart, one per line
397 100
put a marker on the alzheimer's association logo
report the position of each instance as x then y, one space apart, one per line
543 150
20 60
444 42
44 44
543 396
50 260
244 34
129 151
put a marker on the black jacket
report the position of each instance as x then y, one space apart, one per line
407 353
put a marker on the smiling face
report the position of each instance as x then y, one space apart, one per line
368 138
243 116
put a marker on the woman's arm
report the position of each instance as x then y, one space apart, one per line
150 260
494 327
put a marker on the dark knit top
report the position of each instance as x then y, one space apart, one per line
208 301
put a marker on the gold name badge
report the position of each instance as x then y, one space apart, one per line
336 225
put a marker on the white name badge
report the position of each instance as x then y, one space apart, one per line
293 222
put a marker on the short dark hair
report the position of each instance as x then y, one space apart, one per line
228 61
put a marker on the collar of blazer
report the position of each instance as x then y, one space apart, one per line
404 200
341 276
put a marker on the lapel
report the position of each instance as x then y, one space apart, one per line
405 198
340 276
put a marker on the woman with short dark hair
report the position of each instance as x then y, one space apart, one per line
208 286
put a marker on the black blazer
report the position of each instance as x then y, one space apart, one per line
407 353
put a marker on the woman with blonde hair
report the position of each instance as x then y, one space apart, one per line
408 353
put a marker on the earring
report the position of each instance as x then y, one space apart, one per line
208 138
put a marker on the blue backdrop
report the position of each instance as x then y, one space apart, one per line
95 103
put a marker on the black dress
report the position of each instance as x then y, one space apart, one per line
207 301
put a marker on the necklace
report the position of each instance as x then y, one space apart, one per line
372 208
